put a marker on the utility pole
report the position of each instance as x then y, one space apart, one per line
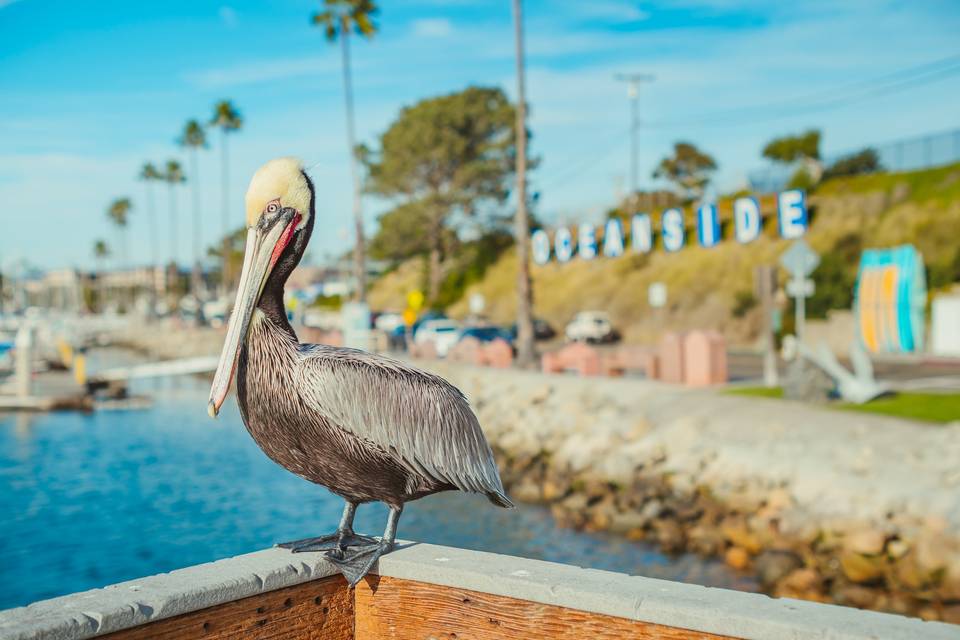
526 352
633 81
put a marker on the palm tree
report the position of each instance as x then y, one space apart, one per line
227 119
100 253
150 174
173 176
194 138
119 214
521 223
338 19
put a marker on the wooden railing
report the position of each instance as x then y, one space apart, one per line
424 591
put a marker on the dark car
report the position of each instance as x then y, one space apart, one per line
541 330
486 334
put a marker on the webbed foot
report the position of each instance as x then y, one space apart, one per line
339 540
355 563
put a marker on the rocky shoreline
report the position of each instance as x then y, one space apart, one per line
854 509
662 464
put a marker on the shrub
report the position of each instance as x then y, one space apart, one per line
855 164
801 179
836 276
743 302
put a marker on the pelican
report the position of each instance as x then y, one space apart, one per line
367 427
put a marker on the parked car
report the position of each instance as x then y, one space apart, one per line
388 321
425 317
486 334
591 327
541 330
443 333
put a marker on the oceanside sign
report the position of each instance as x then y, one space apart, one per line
747 220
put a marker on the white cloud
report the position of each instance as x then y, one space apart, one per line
432 28
6 3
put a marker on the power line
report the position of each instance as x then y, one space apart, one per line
602 152
824 100
827 99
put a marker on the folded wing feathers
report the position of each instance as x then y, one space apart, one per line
419 416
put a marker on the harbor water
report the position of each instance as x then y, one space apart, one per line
92 499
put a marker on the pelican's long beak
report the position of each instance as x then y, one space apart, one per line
265 242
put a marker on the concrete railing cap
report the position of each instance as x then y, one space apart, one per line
710 610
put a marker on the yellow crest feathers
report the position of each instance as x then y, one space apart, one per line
279 179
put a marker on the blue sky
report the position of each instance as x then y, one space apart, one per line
90 92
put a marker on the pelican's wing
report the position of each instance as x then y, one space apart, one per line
419 417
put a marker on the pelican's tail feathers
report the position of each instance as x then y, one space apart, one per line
500 499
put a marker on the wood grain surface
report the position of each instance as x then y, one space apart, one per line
394 609
317 610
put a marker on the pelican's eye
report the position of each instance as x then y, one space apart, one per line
273 207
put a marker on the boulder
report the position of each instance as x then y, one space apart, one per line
669 535
541 394
624 522
854 595
600 517
802 580
860 568
807 383
773 566
931 549
737 557
580 451
553 490
651 510
865 541
705 539
896 549
909 575
736 532
525 491
617 468
950 583
575 503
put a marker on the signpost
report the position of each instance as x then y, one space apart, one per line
415 301
801 261
657 295
766 282
477 303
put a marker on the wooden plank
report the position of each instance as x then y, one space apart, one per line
317 610
395 609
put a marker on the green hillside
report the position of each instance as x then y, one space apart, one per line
713 287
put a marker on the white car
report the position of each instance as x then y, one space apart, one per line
590 326
388 321
443 333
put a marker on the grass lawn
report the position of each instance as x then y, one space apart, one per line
931 407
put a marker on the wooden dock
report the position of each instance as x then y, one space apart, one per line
49 391
423 591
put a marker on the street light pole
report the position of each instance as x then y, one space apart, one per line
526 351
633 81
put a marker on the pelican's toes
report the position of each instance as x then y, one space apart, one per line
357 563
331 542
320 543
